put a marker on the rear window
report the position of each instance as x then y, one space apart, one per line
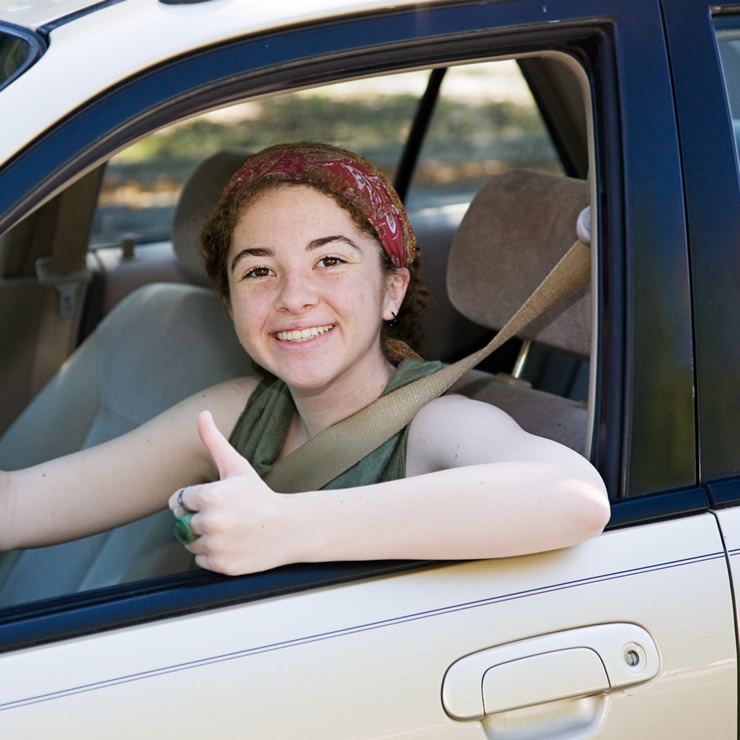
17 53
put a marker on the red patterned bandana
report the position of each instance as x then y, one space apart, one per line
348 175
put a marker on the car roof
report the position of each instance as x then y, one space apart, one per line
34 14
159 31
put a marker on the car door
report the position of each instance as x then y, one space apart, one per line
708 95
629 635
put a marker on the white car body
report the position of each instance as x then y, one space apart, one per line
162 32
379 657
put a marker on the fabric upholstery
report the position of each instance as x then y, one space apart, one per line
516 229
447 334
547 415
197 199
160 345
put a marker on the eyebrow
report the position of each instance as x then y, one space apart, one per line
316 243
252 252
313 244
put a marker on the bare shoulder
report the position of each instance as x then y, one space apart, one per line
455 431
450 431
178 425
170 442
225 401
454 408
173 435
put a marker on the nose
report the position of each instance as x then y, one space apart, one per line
296 293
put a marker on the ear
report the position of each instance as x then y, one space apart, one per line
395 289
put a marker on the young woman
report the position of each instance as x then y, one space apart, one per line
314 256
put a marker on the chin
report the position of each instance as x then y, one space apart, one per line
301 377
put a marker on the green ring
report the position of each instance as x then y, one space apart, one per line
183 531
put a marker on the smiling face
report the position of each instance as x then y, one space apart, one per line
308 293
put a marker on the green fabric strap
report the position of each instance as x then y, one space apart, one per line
328 454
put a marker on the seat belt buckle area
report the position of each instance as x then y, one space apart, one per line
67 284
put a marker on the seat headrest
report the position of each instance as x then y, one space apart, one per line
199 195
514 232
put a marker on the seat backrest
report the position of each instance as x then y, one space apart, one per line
515 230
197 199
160 344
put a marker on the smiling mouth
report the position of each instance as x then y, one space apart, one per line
303 335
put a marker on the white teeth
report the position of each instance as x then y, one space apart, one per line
304 334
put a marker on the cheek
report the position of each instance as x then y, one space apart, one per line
355 295
248 308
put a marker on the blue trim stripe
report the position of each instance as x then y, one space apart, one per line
366 627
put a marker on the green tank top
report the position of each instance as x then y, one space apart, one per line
260 431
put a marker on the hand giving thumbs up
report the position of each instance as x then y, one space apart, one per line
238 521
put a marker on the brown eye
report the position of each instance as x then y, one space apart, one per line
330 261
257 272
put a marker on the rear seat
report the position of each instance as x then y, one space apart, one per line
140 361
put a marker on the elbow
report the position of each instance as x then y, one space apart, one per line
583 508
598 514
591 511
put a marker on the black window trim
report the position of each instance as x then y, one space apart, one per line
713 223
37 45
184 593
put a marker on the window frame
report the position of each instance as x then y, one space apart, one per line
702 106
311 55
36 47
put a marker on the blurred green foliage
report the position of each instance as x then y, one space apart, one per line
468 141
375 127
365 124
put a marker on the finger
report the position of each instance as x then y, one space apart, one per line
199 546
178 503
227 459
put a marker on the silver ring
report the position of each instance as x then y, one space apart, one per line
180 508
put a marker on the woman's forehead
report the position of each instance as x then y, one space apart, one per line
294 213
290 198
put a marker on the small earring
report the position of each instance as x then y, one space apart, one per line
391 322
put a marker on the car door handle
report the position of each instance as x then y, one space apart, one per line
561 665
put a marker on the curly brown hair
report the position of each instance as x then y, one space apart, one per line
217 234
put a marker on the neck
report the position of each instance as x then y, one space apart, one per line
322 407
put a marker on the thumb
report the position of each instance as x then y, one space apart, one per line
227 459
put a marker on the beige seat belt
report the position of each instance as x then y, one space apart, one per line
65 271
342 445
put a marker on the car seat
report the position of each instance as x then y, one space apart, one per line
516 229
159 345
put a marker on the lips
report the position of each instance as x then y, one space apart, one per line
303 335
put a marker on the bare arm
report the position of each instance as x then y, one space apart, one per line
116 482
478 488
